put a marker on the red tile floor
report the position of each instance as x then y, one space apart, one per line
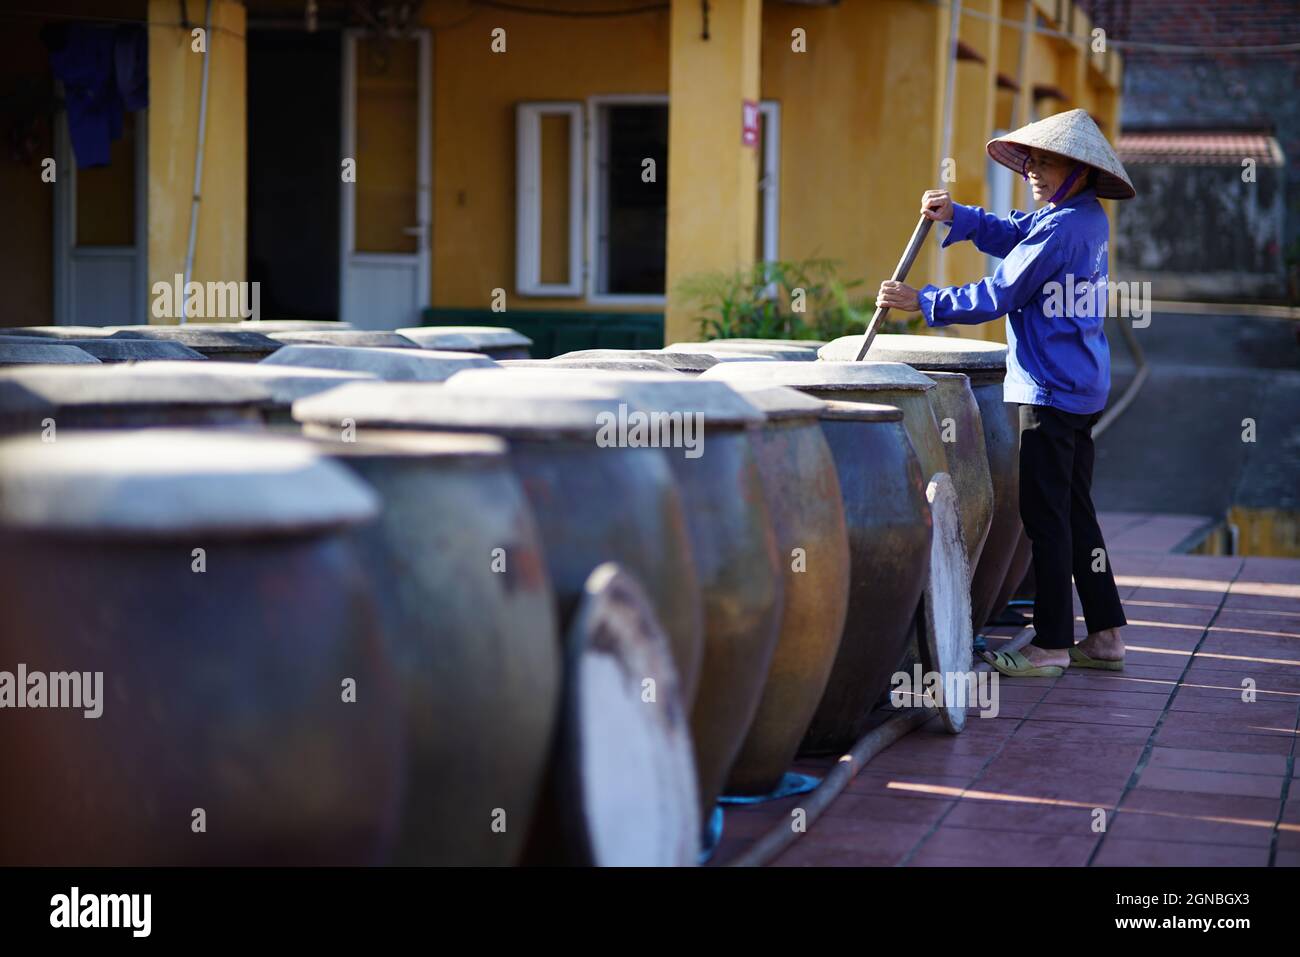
1162 764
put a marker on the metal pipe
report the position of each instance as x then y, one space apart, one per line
949 93
768 847
198 159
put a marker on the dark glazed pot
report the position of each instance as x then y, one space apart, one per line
224 689
496 342
474 642
122 397
954 403
985 363
803 495
592 504
225 344
731 539
889 530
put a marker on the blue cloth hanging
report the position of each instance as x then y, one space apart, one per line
104 71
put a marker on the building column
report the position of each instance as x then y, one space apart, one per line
175 78
712 174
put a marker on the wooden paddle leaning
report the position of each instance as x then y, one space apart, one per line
900 273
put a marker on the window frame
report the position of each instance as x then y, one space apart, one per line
528 198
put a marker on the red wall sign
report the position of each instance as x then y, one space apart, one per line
749 120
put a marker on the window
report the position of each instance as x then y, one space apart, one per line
623 176
629 198
548 200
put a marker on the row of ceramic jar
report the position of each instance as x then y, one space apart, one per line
457 627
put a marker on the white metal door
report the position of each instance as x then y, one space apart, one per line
100 279
386 212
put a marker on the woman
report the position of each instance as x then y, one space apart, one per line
1051 286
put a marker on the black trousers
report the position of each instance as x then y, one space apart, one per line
1056 458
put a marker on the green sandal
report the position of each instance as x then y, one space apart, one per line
1015 665
1081 659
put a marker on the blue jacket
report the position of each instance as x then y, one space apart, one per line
1051 286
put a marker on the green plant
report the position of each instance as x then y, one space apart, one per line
805 299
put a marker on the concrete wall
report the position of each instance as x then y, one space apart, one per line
1200 233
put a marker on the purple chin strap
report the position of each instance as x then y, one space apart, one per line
1079 170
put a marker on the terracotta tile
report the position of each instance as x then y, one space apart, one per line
1073 732
1095 715
914 785
1244 721
887 810
1202 805
1261 620
1277 713
1134 853
1137 825
1076 789
1271 764
1286 859
969 846
1238 601
904 760
1216 741
1087 697
1013 816
1211 782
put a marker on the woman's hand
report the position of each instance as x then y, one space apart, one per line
897 295
936 204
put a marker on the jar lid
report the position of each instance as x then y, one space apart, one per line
838 410
207 341
357 338
778 402
60 332
161 483
466 338
36 352
516 409
649 392
616 365
28 395
826 376
392 365
283 384
784 353
136 350
923 352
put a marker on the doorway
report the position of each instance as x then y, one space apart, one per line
294 102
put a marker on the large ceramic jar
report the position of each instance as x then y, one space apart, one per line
193 604
812 542
51 400
468 614
593 504
731 538
985 364
391 365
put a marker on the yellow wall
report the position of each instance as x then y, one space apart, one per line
856 130
175 73
712 175
475 92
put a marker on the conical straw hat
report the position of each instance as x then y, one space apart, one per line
1072 134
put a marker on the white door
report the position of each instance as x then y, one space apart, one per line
101 230
386 212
